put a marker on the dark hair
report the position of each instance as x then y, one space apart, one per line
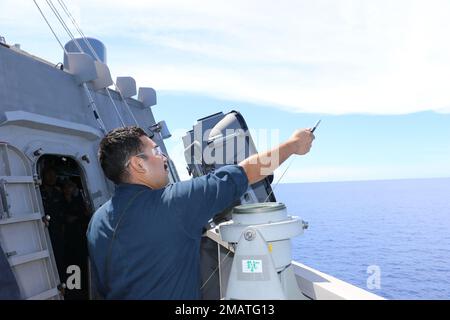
115 150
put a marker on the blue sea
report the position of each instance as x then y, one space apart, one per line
400 226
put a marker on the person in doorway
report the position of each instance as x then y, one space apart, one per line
144 243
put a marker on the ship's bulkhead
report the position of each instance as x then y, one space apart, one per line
50 184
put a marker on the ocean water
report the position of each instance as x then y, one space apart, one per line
401 227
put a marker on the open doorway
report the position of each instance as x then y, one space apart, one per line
67 203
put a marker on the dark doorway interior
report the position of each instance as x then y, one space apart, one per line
67 203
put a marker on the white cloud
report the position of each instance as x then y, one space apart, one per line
363 56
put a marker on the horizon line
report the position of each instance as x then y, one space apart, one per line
366 180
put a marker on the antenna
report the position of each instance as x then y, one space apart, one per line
292 160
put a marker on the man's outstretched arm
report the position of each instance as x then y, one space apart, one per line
260 165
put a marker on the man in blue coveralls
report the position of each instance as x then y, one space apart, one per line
144 243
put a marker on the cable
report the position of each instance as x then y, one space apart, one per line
86 89
43 16
72 19
115 107
273 189
94 108
61 20
77 27
66 28
220 262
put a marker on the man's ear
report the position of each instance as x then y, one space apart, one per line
136 164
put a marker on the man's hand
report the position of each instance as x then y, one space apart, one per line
301 141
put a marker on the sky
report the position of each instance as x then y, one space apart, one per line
376 72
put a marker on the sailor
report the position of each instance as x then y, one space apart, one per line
144 243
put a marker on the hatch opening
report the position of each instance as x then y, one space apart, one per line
66 201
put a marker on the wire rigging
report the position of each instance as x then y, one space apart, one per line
78 28
48 24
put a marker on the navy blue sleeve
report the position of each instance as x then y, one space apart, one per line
195 201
